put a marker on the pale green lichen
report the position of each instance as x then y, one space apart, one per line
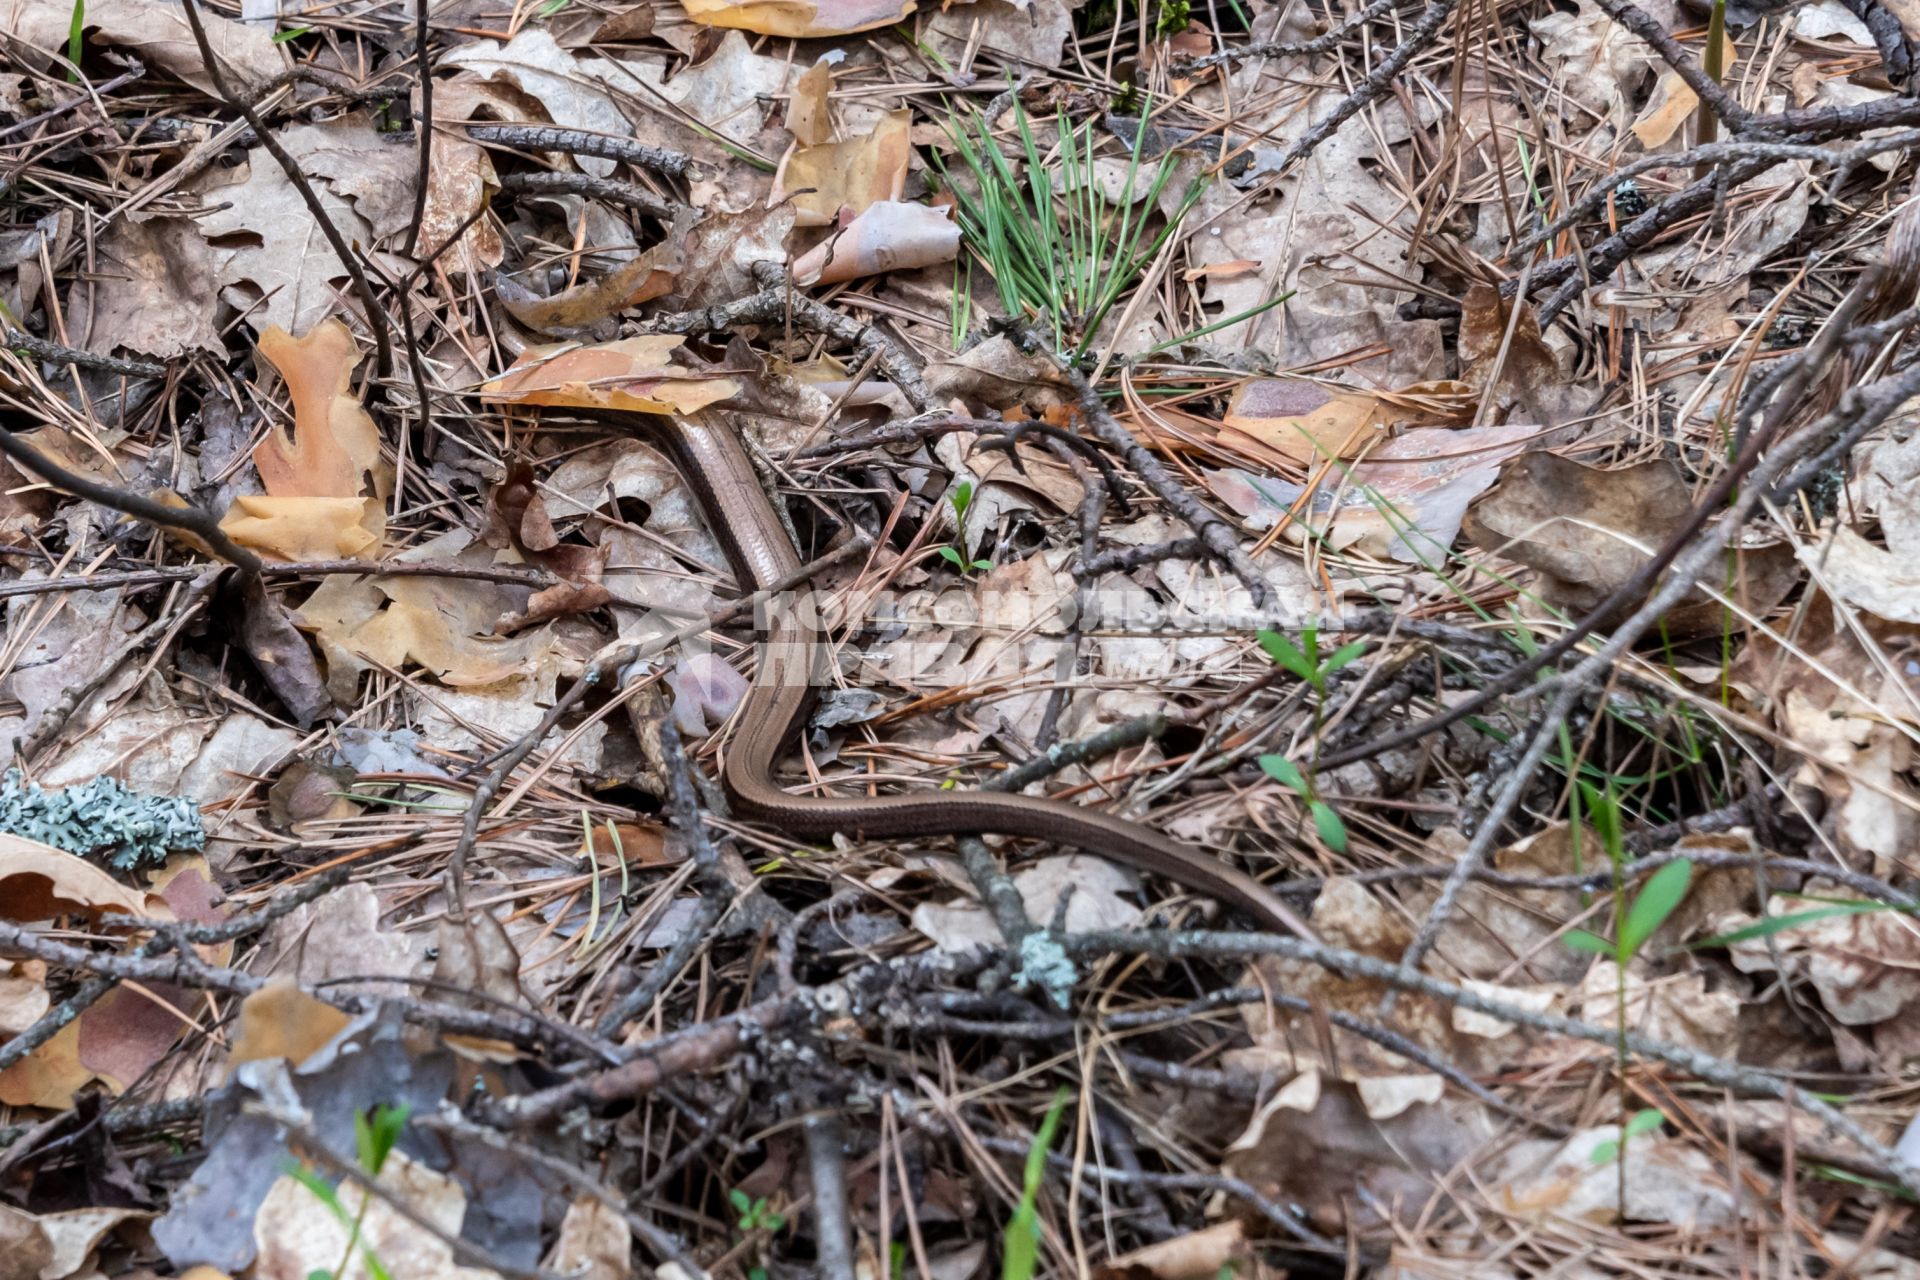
101 819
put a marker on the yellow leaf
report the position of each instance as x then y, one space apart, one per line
848 176
632 374
282 1021
799 19
299 529
49 1076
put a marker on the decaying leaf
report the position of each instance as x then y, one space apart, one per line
1404 500
270 256
633 374
1307 421
296 1234
38 882
648 275
281 654
1496 346
158 33
282 1021
830 181
57 1246
1586 531
1091 887
595 1243
889 236
808 119
296 529
800 19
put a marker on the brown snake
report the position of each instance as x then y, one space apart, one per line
709 455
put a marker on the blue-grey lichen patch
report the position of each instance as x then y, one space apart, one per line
101 819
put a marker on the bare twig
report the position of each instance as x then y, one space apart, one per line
376 318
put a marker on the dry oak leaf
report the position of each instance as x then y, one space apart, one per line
38 882
300 529
799 19
808 119
1305 421
632 374
1586 531
336 445
831 179
282 1021
157 31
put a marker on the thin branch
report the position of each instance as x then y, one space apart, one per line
187 519
376 318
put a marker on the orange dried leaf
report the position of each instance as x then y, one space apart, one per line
298 529
799 19
1305 421
632 374
337 445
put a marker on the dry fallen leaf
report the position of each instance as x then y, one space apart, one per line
808 119
336 446
595 1243
646 276
633 374
282 1021
38 882
296 1234
889 236
1306 421
158 33
1587 530
800 19
298 529
846 178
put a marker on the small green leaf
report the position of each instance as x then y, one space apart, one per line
962 498
952 556
1342 656
319 1273
1663 891
74 36
1333 831
1606 1152
740 1200
1792 920
291 33
1285 772
1581 940
1020 1242
1287 655
1645 1120
983 564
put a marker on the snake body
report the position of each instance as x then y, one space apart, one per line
709 455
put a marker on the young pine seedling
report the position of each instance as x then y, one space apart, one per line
954 552
1315 670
